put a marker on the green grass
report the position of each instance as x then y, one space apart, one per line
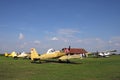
85 69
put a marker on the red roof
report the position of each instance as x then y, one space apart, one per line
77 51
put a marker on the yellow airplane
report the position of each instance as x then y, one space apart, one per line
13 54
60 55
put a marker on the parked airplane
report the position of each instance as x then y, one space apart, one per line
104 53
60 55
15 55
23 55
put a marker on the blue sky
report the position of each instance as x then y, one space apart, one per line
43 24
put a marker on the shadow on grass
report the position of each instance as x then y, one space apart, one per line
59 62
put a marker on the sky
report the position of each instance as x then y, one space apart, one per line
42 24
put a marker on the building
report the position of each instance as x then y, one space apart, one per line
74 51
77 51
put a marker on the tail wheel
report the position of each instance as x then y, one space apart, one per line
59 61
39 61
68 61
15 57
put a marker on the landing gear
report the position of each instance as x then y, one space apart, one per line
36 61
68 61
59 61
15 57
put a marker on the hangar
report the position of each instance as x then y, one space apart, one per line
77 51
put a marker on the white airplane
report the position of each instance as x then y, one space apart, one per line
23 55
105 53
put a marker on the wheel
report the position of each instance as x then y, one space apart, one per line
68 61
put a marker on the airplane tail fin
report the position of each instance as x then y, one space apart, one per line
13 54
6 54
34 54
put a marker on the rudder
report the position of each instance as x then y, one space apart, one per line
34 54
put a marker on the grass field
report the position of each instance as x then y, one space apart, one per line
85 69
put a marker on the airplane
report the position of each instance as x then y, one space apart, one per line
13 54
104 53
23 55
60 55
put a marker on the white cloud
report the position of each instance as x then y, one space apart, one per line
110 42
114 41
23 45
117 44
54 38
79 41
63 35
21 36
37 42
66 37
72 37
68 32
90 44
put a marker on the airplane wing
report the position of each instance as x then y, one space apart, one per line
68 57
